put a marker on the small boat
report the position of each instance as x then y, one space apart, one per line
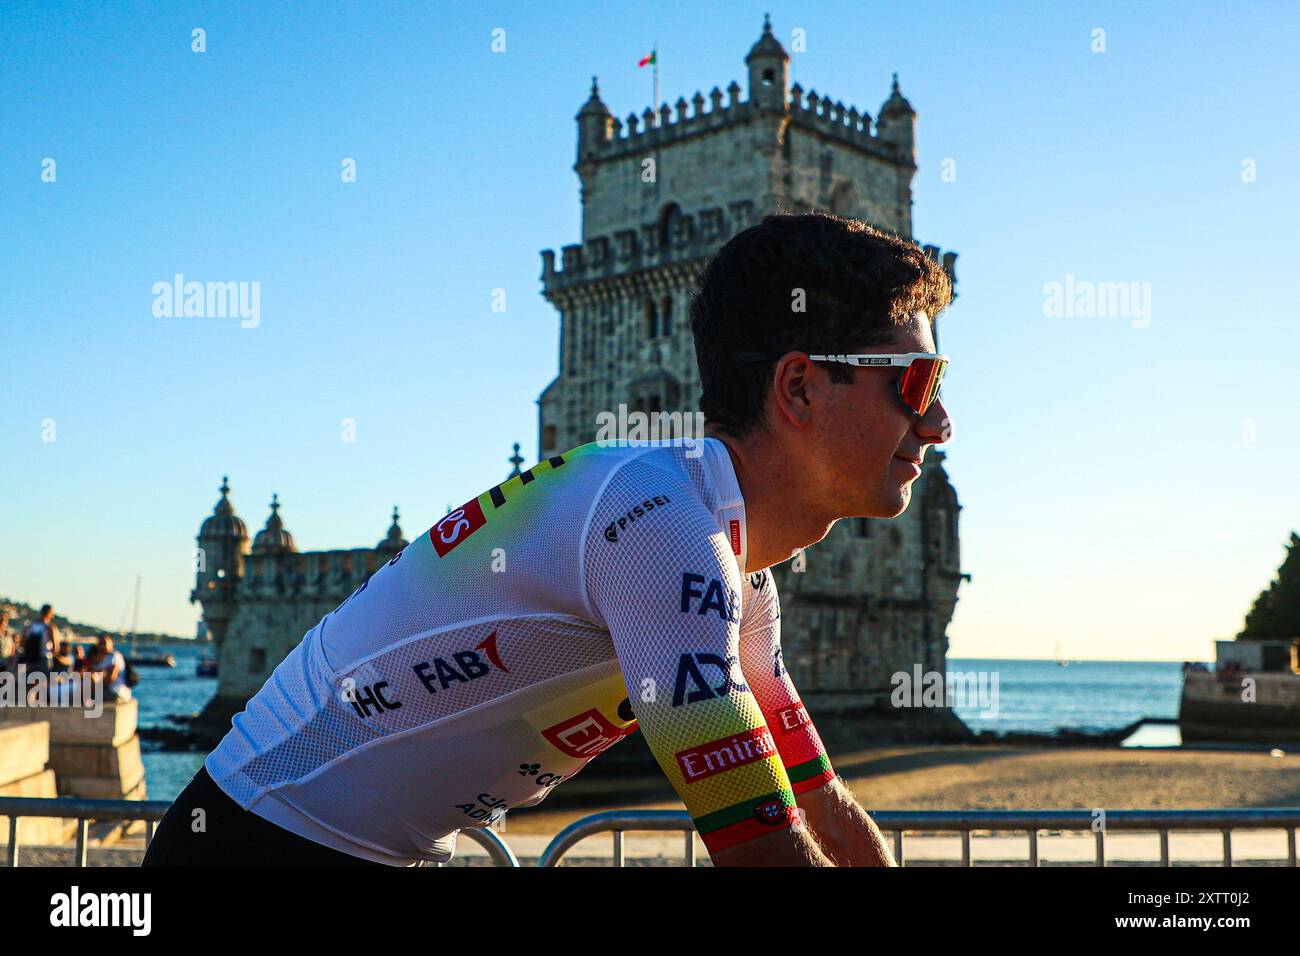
143 660
206 667
1252 695
158 660
1059 661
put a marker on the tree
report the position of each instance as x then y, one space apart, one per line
1276 614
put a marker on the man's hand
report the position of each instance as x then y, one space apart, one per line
843 830
790 847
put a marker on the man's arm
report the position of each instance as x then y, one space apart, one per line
668 591
843 830
793 847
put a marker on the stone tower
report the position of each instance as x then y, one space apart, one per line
219 563
258 602
660 193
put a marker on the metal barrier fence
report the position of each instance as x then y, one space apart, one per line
964 822
619 822
151 811
102 811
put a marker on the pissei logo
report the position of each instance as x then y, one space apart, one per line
613 529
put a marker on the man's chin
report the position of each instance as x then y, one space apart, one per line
889 504
899 501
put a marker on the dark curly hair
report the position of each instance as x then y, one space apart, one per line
858 283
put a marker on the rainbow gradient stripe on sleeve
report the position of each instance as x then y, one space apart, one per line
457 526
800 746
733 784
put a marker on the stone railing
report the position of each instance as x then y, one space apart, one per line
653 130
684 237
308 573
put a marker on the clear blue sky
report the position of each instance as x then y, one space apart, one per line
1127 491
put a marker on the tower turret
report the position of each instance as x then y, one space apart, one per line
274 539
394 542
897 123
941 572
769 71
595 124
219 564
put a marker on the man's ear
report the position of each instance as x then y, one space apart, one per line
790 385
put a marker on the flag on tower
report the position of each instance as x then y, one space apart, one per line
647 59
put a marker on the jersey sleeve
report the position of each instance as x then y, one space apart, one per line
662 579
793 731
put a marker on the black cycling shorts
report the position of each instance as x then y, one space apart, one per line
231 835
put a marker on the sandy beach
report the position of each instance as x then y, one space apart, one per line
956 777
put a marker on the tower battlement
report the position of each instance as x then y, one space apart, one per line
814 112
307 574
678 237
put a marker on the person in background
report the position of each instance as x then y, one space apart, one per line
41 642
7 644
112 665
68 658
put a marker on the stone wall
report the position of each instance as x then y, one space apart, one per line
25 772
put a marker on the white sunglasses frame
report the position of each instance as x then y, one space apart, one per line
879 360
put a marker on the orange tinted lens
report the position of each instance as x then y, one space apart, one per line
919 386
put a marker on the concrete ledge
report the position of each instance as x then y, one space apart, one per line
103 788
24 750
122 763
36 829
72 725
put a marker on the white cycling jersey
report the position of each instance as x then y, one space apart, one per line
601 591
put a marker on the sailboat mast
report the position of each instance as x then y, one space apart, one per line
135 613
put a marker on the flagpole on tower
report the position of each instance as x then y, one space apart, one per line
654 50
653 61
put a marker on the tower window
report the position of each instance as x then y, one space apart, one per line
667 313
863 527
667 220
651 320
768 77
256 660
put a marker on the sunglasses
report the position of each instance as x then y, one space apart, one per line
918 386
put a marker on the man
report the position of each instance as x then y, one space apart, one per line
41 646
6 638
112 665
609 589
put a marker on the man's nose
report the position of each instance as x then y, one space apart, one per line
935 426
